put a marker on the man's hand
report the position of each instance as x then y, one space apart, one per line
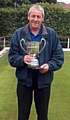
28 59
44 68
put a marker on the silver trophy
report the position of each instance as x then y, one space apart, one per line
32 47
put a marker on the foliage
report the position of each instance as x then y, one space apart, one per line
6 3
16 3
55 17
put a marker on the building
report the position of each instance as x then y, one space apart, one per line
64 5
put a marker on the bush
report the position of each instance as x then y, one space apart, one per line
55 17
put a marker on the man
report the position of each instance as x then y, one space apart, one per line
35 80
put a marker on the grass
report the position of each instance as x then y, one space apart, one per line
60 98
59 107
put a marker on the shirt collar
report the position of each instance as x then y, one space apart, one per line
40 31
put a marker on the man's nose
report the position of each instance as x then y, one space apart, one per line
35 18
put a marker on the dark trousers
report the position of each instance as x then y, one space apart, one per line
25 96
41 98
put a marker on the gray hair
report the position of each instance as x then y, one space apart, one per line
38 7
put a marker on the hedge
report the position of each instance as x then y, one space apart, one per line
56 17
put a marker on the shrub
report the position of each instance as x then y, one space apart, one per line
55 17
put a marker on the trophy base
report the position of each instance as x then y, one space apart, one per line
34 66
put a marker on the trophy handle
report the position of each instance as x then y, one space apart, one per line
44 44
22 40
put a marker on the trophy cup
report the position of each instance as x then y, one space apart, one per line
32 47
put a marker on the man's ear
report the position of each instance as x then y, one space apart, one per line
42 18
28 17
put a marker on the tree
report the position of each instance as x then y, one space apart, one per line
6 3
53 1
10 3
49 1
20 2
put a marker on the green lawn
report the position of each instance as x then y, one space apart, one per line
59 108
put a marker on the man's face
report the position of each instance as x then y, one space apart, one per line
35 18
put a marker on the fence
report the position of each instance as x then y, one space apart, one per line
5 43
65 42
